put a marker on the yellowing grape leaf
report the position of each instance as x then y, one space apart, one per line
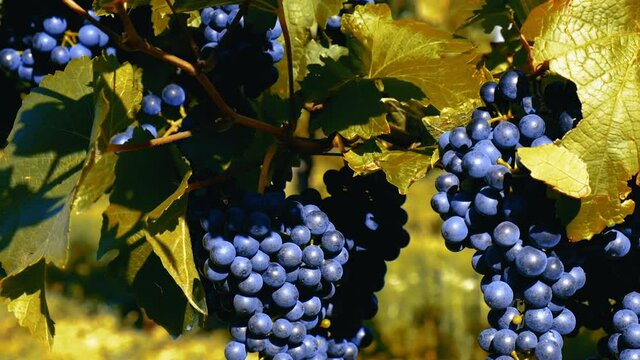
596 43
450 118
403 168
558 167
26 294
415 52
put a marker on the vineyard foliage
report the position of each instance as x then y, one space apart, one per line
387 92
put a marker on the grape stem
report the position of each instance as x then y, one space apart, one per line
151 143
290 80
265 172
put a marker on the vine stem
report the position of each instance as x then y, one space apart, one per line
151 143
266 166
290 80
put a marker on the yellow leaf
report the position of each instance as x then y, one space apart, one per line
441 66
557 167
450 118
596 44
26 294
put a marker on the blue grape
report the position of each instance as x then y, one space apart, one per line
459 139
43 42
526 341
531 262
78 51
332 241
443 140
251 285
260 262
60 55
486 201
446 181
219 19
506 233
475 164
460 203
480 241
481 114
495 176
274 276
537 294
565 286
173 95
486 147
222 253
300 235
543 237
554 269
504 341
206 15
440 203
331 271
290 255
506 135
89 35
286 296
333 22
630 354
488 92
548 350
479 129
631 335
241 267
317 222
259 324
623 318
282 328
54 25
618 246
10 59
485 338
565 322
454 229
245 305
512 84
27 57
531 126
538 320
151 104
271 244
151 129
498 295
631 301
26 73
245 245
235 351
542 140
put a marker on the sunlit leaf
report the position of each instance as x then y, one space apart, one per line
450 118
403 168
41 168
362 160
596 45
26 294
415 52
557 167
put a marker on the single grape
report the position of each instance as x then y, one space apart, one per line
78 51
506 234
235 351
565 322
173 95
459 138
485 338
275 50
504 341
498 295
89 35
512 85
259 324
446 181
623 318
151 104
538 320
531 126
548 350
537 295
43 42
454 229
54 25
475 164
488 92
286 296
506 135
60 55
531 262
526 341
631 301
334 22
10 59
495 176
479 129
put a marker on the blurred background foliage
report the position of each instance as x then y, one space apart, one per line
430 308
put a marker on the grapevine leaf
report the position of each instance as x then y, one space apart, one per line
362 159
413 52
403 168
137 210
118 91
557 167
374 126
595 44
160 16
103 7
26 294
41 168
303 19
450 118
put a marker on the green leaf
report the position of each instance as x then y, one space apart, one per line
160 16
595 44
118 92
303 19
41 167
26 294
155 212
557 167
414 52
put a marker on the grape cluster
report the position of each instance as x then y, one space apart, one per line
487 206
52 48
624 343
246 61
274 263
368 211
